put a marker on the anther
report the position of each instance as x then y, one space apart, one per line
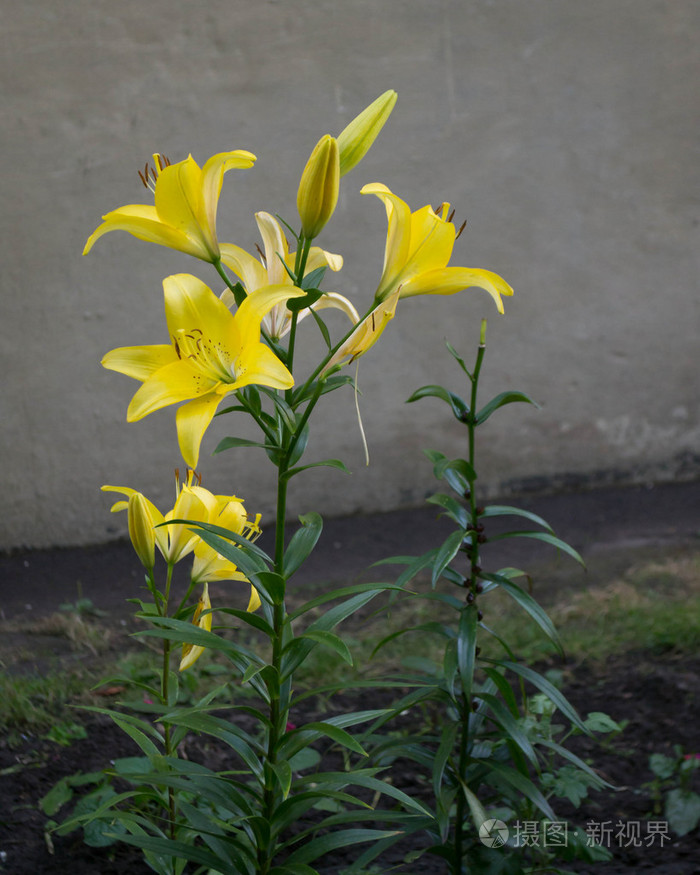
451 216
461 228
262 255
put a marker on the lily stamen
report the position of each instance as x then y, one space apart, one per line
149 177
461 228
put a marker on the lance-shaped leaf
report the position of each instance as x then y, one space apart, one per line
500 401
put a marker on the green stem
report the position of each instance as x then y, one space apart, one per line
466 710
165 693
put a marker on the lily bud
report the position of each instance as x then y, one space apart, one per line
358 136
141 530
318 189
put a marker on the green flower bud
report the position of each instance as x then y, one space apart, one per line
318 189
358 136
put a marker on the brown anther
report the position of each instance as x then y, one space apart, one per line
262 255
461 228
451 216
144 176
177 348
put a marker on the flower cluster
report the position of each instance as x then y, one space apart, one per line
221 344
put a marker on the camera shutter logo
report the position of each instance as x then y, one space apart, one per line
493 833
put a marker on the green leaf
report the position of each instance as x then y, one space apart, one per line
297 739
306 758
446 553
302 543
139 737
453 508
273 585
238 740
453 352
230 443
300 441
311 296
466 648
329 639
369 589
500 401
509 725
459 407
58 795
322 845
504 510
326 463
322 328
548 688
546 538
457 472
682 810
171 848
505 774
314 278
532 607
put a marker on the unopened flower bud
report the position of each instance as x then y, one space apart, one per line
141 530
356 139
318 189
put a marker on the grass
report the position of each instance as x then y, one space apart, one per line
653 606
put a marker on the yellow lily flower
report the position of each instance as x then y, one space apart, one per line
186 198
269 270
366 333
318 189
418 247
192 652
211 354
176 541
228 512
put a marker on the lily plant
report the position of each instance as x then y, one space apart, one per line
240 347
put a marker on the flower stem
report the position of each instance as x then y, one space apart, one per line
465 709
165 694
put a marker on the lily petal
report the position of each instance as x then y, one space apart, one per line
192 420
143 222
178 381
139 361
449 280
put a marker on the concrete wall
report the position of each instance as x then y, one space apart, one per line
565 131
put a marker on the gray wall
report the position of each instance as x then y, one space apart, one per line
565 131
